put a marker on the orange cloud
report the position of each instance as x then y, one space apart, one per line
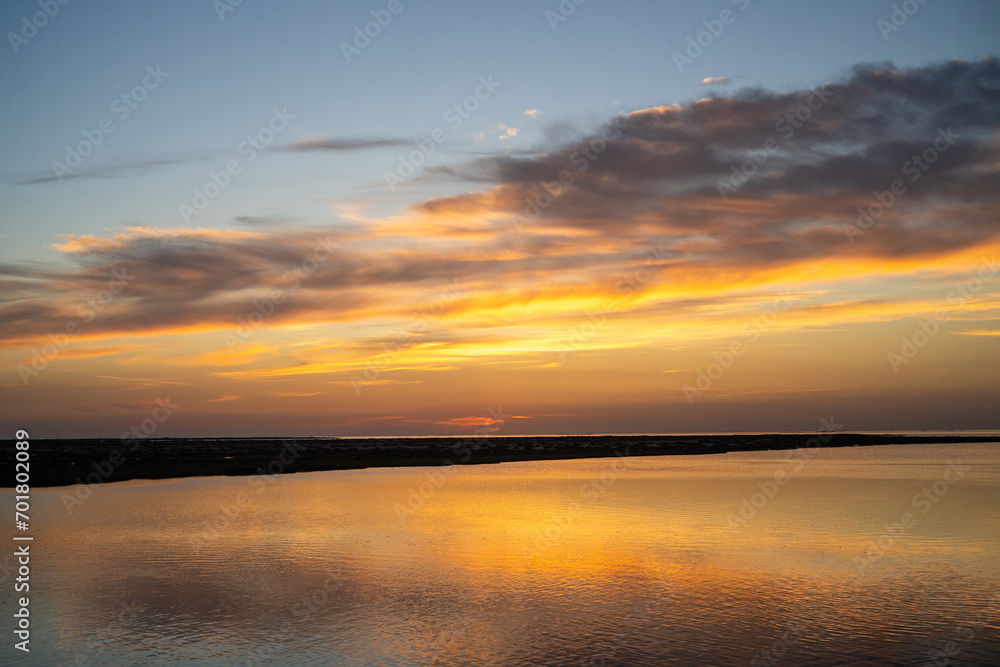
225 398
470 422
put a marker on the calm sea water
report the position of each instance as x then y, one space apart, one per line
859 556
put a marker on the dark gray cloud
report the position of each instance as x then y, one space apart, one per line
171 280
775 176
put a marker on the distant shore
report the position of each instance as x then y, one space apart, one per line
68 462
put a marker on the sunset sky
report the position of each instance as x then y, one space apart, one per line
278 225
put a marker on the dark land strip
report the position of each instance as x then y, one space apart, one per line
67 462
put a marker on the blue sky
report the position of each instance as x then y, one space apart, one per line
225 76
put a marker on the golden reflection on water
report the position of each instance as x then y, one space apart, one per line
617 561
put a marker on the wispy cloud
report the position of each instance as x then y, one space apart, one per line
340 145
470 422
121 170
506 132
225 398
